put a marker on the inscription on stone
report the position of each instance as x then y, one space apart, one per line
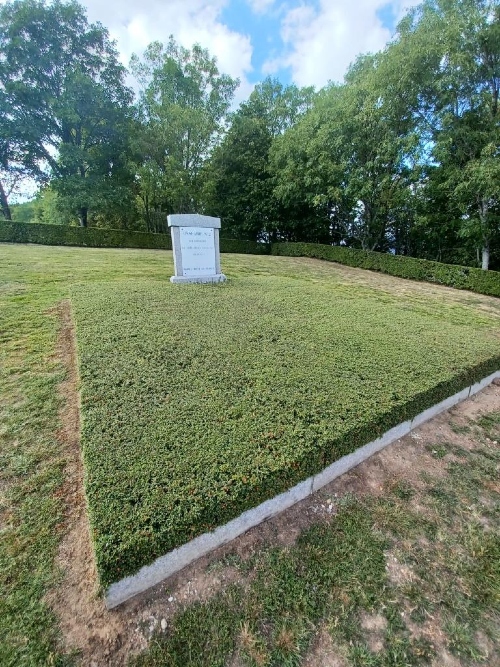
198 251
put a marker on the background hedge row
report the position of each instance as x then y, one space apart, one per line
451 275
93 237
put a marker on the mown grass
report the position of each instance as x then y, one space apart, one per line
33 280
447 597
30 473
198 403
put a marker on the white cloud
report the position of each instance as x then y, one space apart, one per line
321 42
260 6
134 26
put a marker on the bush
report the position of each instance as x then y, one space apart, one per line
93 237
460 277
244 247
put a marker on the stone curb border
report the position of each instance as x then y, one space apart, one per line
175 560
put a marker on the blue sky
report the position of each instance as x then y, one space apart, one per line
265 31
307 42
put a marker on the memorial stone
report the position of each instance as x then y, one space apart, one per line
195 242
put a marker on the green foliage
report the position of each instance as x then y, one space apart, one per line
460 277
25 212
32 476
66 106
447 66
200 403
244 247
45 209
404 154
34 279
183 105
272 623
15 232
239 187
352 157
94 237
333 580
239 178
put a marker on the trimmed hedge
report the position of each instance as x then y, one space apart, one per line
93 237
198 404
241 247
451 275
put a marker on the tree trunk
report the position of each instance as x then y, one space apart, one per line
483 214
486 256
83 216
4 204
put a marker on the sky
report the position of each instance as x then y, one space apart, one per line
306 42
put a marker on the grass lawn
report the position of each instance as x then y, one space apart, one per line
289 320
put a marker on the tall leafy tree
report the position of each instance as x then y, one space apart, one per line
94 163
448 52
15 163
352 157
238 186
184 102
241 179
67 103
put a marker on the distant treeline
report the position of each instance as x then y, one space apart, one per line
402 157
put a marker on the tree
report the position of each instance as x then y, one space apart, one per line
449 63
241 180
43 208
66 101
183 105
94 169
238 186
13 161
352 156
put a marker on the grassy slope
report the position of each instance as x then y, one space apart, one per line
200 402
32 280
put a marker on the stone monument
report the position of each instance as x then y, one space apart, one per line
195 242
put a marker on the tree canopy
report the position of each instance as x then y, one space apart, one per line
403 156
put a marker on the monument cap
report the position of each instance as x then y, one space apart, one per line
192 220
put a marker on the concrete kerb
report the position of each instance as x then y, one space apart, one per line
175 560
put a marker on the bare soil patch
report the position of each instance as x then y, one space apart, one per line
107 638
374 625
324 652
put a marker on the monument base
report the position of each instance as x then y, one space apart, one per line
217 278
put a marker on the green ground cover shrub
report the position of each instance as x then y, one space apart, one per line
460 277
199 402
93 237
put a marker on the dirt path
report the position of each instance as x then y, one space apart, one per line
103 638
